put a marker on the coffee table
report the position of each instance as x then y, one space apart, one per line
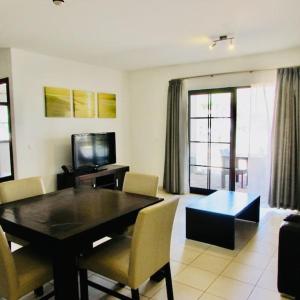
211 219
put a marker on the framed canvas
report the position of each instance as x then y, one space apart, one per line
106 105
57 102
84 104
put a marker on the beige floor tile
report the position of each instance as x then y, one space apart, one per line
195 245
266 236
207 296
260 247
221 252
196 278
183 254
47 289
181 292
263 294
98 295
95 294
103 281
230 289
211 263
253 259
150 288
243 273
268 280
176 267
273 265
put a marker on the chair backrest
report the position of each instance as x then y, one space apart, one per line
141 184
21 188
150 246
8 274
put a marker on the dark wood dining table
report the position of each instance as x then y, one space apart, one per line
64 224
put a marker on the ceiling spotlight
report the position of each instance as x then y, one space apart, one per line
58 2
212 45
231 46
223 38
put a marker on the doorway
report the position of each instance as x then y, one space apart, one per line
218 139
6 153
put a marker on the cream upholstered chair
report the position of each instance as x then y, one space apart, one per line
21 271
142 184
131 261
19 189
14 190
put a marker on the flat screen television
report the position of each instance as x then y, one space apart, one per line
91 151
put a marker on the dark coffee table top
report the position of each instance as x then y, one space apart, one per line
223 202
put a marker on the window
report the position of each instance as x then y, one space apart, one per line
6 155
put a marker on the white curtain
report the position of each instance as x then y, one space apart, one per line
261 118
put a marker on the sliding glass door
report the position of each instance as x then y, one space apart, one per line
212 118
219 136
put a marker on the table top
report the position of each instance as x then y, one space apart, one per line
63 214
223 202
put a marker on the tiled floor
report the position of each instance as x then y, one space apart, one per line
205 272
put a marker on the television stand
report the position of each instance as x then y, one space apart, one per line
112 177
99 169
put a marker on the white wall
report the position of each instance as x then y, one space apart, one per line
43 144
148 96
5 65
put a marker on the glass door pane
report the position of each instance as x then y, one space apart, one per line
243 108
5 165
210 140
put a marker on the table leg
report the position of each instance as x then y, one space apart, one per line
251 213
210 228
223 179
65 275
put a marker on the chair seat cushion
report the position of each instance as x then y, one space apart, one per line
33 269
110 259
16 240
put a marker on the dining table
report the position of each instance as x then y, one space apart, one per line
64 224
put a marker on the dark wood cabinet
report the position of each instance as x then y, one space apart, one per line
111 177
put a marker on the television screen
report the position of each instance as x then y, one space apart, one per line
93 150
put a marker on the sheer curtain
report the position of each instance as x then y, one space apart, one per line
259 160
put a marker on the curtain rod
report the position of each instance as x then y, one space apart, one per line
225 73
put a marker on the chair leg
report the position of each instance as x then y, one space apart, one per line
135 294
39 291
9 244
158 276
169 282
84 293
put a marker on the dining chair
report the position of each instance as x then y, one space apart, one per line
22 271
142 184
14 190
132 260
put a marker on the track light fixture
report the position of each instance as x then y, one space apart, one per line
58 2
223 38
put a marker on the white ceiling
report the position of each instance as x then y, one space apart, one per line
135 34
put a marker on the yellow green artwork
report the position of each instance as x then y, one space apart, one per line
106 105
84 104
57 102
